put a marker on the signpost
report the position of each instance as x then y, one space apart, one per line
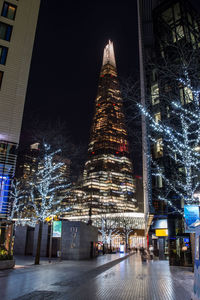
56 228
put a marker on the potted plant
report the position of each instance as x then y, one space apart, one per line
6 259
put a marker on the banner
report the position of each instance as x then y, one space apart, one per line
57 228
191 213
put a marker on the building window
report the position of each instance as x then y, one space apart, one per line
155 94
3 55
1 78
159 181
179 32
5 31
158 148
186 95
9 11
168 113
157 117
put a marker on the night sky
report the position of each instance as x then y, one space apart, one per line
67 58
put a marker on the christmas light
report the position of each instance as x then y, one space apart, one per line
40 191
180 140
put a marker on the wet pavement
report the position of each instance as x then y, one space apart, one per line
98 279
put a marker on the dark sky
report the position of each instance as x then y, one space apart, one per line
67 58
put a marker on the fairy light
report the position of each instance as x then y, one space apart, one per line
42 196
181 142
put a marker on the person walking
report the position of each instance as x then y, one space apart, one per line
151 251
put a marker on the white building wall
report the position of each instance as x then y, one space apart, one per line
16 70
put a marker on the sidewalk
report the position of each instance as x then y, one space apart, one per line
22 261
112 276
28 278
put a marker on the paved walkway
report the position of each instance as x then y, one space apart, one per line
24 261
85 280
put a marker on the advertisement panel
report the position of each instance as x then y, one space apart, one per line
57 228
161 232
4 192
191 213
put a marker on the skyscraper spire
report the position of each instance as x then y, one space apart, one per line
108 55
108 175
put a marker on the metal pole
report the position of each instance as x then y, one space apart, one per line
50 241
60 258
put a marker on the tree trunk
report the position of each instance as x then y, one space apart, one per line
37 256
50 241
126 243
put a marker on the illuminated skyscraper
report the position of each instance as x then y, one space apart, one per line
108 175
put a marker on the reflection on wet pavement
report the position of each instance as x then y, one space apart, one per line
129 279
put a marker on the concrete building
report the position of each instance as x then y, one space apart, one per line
18 20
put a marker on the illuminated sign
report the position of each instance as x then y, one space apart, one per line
161 232
57 228
4 191
191 213
122 248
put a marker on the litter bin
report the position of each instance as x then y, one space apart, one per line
196 288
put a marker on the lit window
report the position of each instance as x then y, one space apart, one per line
179 32
157 117
3 54
155 94
182 170
159 182
168 113
186 95
5 31
8 11
158 148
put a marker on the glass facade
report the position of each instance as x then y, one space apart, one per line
8 157
108 175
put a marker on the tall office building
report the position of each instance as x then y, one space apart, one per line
18 20
108 175
165 27
107 185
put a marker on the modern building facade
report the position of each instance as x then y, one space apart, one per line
108 174
18 20
108 185
165 28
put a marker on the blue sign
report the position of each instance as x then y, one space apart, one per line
4 192
191 213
